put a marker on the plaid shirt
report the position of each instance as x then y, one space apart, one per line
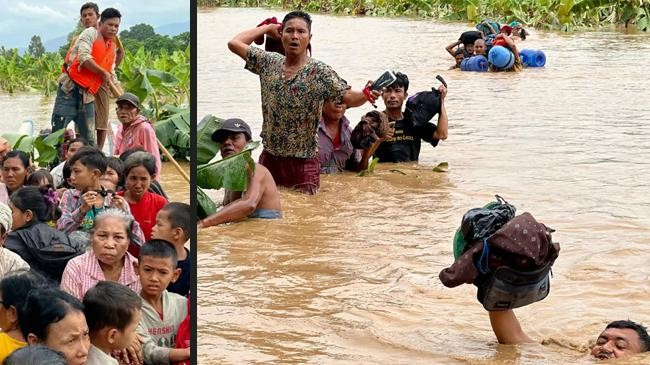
73 219
83 272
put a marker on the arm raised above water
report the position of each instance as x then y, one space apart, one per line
240 43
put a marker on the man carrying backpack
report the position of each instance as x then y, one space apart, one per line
404 145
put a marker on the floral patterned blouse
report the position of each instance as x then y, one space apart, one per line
292 108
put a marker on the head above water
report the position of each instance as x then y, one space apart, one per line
298 15
620 339
232 136
479 47
296 34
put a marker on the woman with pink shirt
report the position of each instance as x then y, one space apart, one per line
135 130
108 259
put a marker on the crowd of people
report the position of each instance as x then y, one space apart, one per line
94 267
489 35
305 133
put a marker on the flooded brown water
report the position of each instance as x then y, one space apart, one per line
350 276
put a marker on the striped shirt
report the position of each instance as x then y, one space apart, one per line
83 272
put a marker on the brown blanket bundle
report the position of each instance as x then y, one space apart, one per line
522 244
373 126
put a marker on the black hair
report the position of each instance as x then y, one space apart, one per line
67 172
41 201
140 158
35 355
109 304
459 51
401 81
179 216
298 14
159 248
17 284
89 5
130 151
34 179
22 156
91 157
118 165
110 13
43 307
640 330
78 140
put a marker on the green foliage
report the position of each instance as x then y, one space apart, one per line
441 167
36 48
26 73
371 168
550 14
41 150
229 173
206 206
143 35
157 79
206 149
174 130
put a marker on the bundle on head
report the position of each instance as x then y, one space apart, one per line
372 126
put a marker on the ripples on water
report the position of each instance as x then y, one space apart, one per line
351 275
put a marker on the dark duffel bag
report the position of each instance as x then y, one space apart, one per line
506 288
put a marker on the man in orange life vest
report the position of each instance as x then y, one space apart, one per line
92 58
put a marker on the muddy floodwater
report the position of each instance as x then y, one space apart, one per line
350 276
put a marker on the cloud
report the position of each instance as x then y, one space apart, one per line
55 18
38 12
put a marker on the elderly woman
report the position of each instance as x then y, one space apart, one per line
15 169
54 318
108 259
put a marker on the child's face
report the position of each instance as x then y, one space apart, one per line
127 336
163 229
156 273
82 177
110 179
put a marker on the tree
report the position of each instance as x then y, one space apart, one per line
36 47
140 32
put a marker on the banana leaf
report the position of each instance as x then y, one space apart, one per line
206 149
371 168
205 206
41 150
230 173
174 131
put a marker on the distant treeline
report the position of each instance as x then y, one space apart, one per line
546 14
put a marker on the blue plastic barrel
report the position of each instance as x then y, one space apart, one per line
532 58
475 63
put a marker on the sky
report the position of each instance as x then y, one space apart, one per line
49 19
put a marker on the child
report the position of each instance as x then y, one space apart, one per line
72 148
112 179
113 313
162 311
79 206
13 292
173 225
